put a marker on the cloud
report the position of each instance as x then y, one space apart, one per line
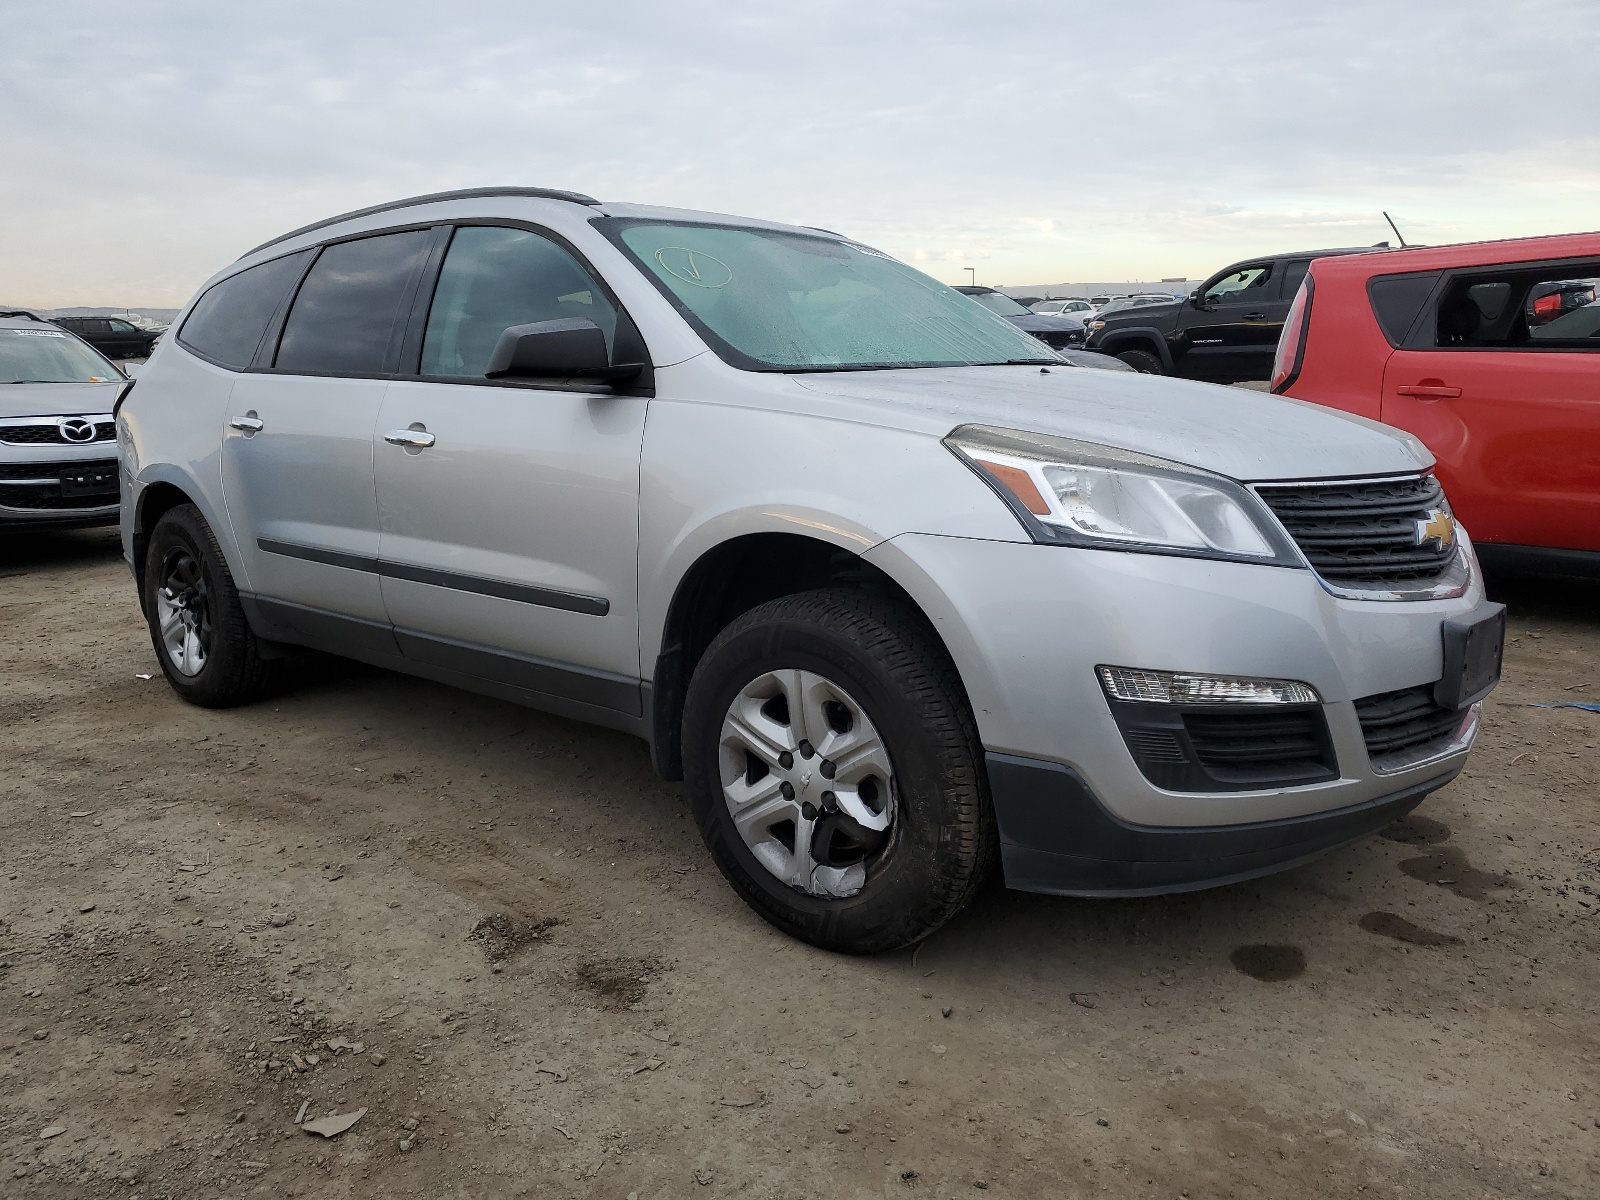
1035 140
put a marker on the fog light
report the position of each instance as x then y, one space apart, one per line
1182 687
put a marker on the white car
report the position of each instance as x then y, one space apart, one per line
899 593
1081 309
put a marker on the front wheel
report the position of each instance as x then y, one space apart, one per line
1143 361
205 646
833 766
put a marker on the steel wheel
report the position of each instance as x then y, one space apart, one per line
183 612
807 780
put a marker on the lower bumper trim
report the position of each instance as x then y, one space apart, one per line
1057 837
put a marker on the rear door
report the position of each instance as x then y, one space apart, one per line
297 453
509 540
1503 385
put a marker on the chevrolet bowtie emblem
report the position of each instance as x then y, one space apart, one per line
1439 528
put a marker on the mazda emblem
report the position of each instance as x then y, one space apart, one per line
75 429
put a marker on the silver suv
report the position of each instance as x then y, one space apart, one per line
58 454
901 594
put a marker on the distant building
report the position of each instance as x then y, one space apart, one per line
1083 291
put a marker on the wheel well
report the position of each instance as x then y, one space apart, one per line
1132 341
154 503
727 582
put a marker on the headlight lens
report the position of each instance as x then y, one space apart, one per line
1084 494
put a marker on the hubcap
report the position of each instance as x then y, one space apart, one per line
183 612
807 780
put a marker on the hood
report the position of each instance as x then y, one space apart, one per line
56 399
1045 322
1234 432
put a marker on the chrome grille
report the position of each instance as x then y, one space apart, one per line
1364 532
47 431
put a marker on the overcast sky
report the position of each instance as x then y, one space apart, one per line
144 146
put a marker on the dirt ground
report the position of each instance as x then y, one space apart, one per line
550 991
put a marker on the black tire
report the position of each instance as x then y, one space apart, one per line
234 670
1143 361
942 843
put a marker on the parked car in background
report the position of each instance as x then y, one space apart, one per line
112 336
1076 309
58 447
1225 333
1490 354
1054 330
896 592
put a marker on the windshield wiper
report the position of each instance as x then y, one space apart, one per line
44 381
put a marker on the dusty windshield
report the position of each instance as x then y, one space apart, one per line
769 300
50 356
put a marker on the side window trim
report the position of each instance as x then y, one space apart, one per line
267 348
627 333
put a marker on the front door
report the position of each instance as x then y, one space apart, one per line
1223 333
297 452
509 513
1503 385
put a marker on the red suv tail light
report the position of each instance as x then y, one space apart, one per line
1292 341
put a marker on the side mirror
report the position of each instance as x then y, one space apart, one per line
561 349
1203 302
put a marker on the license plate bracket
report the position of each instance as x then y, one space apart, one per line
1474 647
90 480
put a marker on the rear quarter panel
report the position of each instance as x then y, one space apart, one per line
1345 348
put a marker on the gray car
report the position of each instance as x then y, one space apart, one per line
900 594
58 455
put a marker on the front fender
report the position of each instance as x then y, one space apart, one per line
712 473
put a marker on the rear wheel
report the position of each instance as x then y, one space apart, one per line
1143 361
203 642
834 771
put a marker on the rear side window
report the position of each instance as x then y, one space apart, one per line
1293 273
353 306
1397 300
494 278
227 323
1555 306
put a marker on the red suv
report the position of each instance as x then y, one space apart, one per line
1490 353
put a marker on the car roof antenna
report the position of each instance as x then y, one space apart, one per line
1396 229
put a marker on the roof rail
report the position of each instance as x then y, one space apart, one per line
430 198
22 312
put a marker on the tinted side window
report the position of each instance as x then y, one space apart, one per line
227 323
353 305
1293 273
1553 307
1397 299
495 278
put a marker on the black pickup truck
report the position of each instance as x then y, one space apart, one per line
1225 332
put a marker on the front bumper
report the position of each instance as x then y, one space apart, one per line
1027 625
31 499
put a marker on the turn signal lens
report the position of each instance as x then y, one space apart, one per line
1179 687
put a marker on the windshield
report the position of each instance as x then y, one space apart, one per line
50 356
770 300
997 303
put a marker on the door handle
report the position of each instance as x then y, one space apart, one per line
1255 316
1429 391
411 439
248 424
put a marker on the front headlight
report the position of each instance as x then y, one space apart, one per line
1081 494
